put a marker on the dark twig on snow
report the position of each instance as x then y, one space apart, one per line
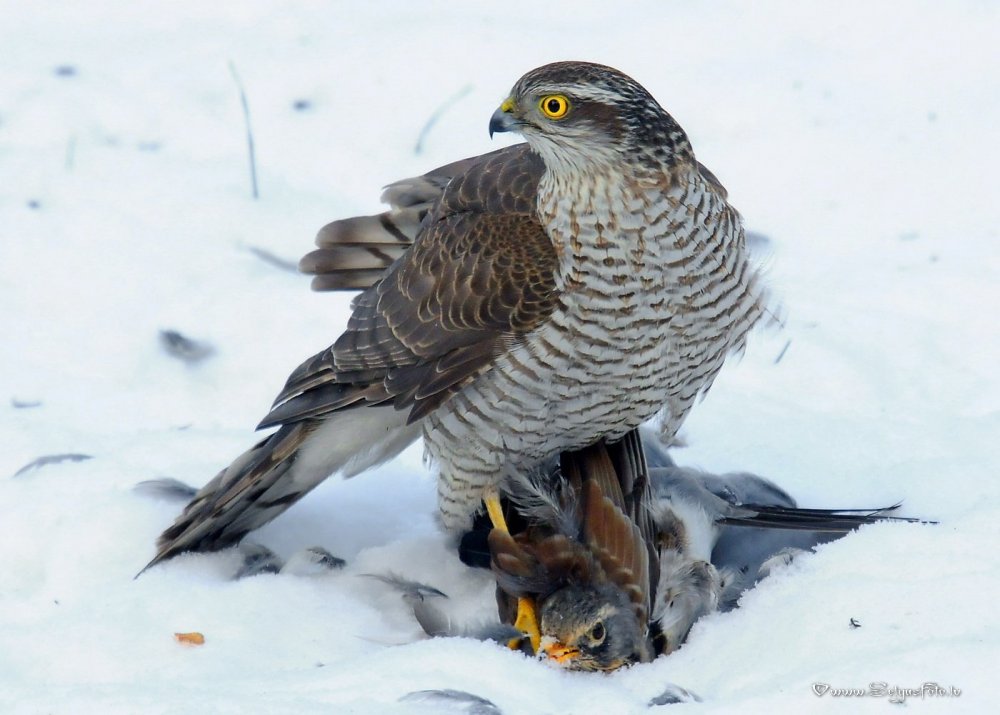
271 259
783 351
432 120
51 459
246 120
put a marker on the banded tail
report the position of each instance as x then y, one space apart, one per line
281 469
354 252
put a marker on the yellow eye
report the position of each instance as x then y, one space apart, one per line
554 106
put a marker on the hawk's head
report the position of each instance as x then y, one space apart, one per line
579 111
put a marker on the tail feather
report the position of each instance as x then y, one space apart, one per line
354 253
278 471
830 520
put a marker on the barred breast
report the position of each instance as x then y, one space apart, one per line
656 289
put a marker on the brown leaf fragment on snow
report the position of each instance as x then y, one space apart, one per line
190 639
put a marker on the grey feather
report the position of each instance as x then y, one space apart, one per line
257 560
674 694
407 587
51 459
543 498
184 348
314 561
453 701
166 488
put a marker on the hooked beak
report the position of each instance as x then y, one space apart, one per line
503 119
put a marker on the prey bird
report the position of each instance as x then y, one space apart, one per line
621 562
519 304
587 558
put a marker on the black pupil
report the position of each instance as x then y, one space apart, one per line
598 632
554 106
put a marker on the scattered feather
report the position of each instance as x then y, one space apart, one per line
257 560
454 700
435 622
166 488
184 348
542 501
51 459
409 589
674 694
314 561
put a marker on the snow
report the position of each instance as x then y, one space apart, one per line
859 137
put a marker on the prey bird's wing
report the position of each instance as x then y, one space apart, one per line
613 481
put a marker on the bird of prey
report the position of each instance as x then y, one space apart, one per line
556 293
621 574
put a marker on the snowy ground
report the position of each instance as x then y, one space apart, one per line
861 140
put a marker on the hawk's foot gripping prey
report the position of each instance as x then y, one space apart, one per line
516 305
526 620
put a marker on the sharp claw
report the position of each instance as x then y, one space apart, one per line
527 618
527 622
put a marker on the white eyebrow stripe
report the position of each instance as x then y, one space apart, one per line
588 92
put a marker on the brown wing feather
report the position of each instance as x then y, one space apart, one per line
629 459
354 253
480 273
616 523
618 546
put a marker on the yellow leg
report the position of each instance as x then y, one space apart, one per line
527 615
493 508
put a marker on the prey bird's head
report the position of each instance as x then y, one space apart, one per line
591 627
575 111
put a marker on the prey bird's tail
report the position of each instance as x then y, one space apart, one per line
839 521
279 470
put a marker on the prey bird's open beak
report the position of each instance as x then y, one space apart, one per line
503 119
554 650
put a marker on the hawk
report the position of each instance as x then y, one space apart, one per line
537 299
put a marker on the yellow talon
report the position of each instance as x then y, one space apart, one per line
527 622
527 618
